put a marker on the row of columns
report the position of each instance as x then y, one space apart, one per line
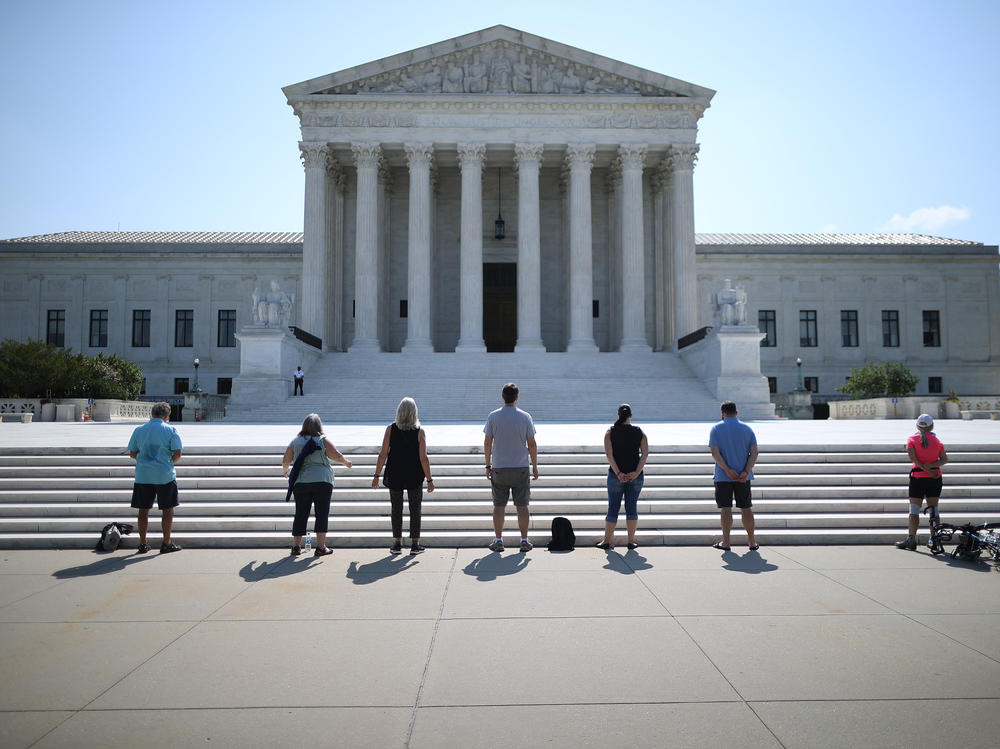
676 177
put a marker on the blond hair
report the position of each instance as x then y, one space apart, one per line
406 414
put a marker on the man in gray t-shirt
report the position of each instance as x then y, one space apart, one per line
508 447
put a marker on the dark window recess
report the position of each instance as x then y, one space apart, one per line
767 323
180 385
890 328
224 386
226 337
849 328
808 337
55 328
404 308
597 308
772 385
98 328
142 390
932 328
140 328
811 384
935 385
184 328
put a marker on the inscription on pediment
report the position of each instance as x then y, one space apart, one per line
499 67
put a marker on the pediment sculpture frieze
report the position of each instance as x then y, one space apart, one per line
499 68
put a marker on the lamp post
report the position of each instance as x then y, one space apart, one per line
798 363
197 387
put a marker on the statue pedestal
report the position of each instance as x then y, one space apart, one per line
795 405
268 356
728 361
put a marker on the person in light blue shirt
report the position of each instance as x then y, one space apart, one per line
156 447
734 449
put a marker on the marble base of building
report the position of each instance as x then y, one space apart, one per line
728 362
268 356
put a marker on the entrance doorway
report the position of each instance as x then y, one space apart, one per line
500 306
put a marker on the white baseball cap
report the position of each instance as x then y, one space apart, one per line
925 421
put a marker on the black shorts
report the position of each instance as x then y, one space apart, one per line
725 491
164 494
922 487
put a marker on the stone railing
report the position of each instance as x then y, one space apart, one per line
912 406
21 406
204 406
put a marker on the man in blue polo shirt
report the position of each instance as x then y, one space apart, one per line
155 447
734 449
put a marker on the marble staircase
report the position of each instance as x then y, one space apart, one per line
233 497
465 387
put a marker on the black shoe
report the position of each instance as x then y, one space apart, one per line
167 548
604 545
143 548
322 551
416 549
296 550
396 548
909 543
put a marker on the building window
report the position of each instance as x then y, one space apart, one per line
140 328
808 337
180 385
890 328
596 308
227 328
849 328
184 328
142 390
55 330
404 308
98 328
224 386
767 323
811 384
772 385
932 328
934 385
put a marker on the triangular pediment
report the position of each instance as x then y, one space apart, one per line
497 61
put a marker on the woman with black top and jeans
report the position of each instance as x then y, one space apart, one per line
404 455
626 449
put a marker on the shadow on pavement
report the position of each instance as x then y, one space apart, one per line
102 566
751 563
365 574
495 564
281 568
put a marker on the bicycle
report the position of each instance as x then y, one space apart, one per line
972 541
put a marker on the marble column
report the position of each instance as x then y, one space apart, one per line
471 156
315 281
335 185
367 157
633 250
418 271
580 158
682 158
528 158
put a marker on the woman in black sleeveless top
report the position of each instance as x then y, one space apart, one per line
626 449
404 454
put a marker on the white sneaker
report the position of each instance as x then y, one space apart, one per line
496 545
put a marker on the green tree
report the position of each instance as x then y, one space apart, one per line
891 379
33 369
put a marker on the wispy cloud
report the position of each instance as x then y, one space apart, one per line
828 229
926 220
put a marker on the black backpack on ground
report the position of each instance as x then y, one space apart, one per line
563 537
111 536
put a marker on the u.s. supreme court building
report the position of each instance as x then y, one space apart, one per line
502 206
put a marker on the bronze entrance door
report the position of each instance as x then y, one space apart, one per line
500 306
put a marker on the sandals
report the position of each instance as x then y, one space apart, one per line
296 550
633 545
605 546
167 548
718 545
755 547
143 548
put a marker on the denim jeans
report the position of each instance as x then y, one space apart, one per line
627 489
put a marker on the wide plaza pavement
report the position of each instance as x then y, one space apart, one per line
810 646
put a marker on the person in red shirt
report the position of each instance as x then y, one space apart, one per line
928 455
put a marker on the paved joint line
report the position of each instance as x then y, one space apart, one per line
430 653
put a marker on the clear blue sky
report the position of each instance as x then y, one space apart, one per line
846 116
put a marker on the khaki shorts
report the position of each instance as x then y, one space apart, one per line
507 481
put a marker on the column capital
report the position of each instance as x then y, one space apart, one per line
632 155
528 154
472 154
682 157
314 155
367 154
580 155
419 154
335 174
